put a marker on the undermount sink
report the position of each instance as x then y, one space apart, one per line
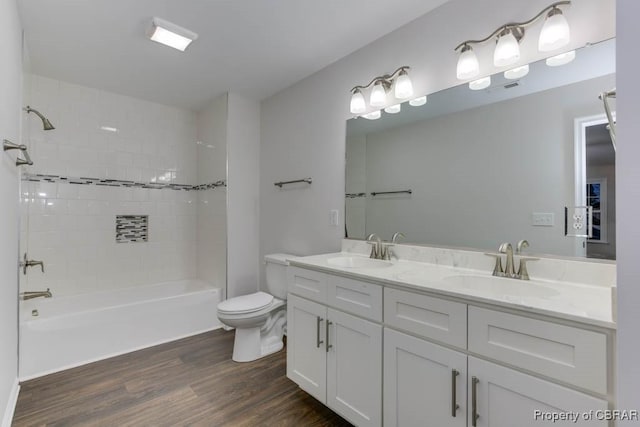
357 262
502 286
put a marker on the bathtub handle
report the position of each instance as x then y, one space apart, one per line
30 263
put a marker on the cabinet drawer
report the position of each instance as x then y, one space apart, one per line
568 354
434 318
307 283
360 298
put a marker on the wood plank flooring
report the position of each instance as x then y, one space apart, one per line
191 382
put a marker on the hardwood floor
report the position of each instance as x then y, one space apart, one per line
192 382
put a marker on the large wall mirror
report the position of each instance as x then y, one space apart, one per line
490 166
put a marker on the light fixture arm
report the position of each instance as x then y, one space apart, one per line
517 27
385 79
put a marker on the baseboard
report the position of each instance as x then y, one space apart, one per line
11 405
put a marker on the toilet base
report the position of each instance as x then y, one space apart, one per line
254 343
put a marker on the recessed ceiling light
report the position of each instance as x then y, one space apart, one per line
171 34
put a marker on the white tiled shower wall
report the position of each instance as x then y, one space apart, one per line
71 227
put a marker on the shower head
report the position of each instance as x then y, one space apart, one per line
45 122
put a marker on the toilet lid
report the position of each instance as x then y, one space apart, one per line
246 303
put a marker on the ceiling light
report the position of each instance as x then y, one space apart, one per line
170 34
109 128
393 109
403 87
480 84
372 115
417 102
562 59
516 73
468 66
358 105
399 79
555 32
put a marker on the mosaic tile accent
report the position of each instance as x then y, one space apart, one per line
120 183
132 228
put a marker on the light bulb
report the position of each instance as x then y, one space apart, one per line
393 109
507 50
516 73
378 95
480 84
417 102
358 105
468 66
555 32
562 59
372 115
403 87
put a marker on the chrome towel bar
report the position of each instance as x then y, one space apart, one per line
377 193
281 183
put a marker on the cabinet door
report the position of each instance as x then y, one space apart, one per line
420 383
354 368
506 398
306 353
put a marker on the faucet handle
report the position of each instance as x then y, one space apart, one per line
523 274
497 268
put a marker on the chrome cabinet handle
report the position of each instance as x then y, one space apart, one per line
454 405
318 340
474 401
327 335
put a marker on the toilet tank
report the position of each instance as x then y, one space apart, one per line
276 269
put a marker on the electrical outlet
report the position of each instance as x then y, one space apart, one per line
333 217
541 219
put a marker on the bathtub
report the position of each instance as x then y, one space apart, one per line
74 330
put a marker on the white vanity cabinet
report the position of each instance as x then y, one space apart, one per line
331 354
444 361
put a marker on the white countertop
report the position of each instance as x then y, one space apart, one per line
584 303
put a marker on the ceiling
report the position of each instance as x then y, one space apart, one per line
253 47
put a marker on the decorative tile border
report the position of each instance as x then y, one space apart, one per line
132 228
120 183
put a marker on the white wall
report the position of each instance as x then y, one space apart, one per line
303 127
628 204
212 203
10 111
477 185
71 227
243 146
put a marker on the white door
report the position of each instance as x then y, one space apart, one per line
306 346
424 384
354 368
506 398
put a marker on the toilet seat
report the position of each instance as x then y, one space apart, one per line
246 303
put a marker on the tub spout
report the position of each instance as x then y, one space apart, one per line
36 294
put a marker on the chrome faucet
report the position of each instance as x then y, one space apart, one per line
30 294
397 236
376 246
506 248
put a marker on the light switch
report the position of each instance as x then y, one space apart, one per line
542 219
333 217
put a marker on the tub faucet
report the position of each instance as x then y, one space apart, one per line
36 294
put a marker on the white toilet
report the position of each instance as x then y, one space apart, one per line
259 318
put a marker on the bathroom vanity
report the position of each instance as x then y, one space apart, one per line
432 338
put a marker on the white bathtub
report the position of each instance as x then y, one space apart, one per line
75 330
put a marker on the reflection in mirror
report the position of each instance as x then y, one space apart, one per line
491 166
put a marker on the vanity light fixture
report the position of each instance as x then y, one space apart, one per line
480 84
419 101
170 34
554 35
562 59
374 115
399 79
393 109
517 73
